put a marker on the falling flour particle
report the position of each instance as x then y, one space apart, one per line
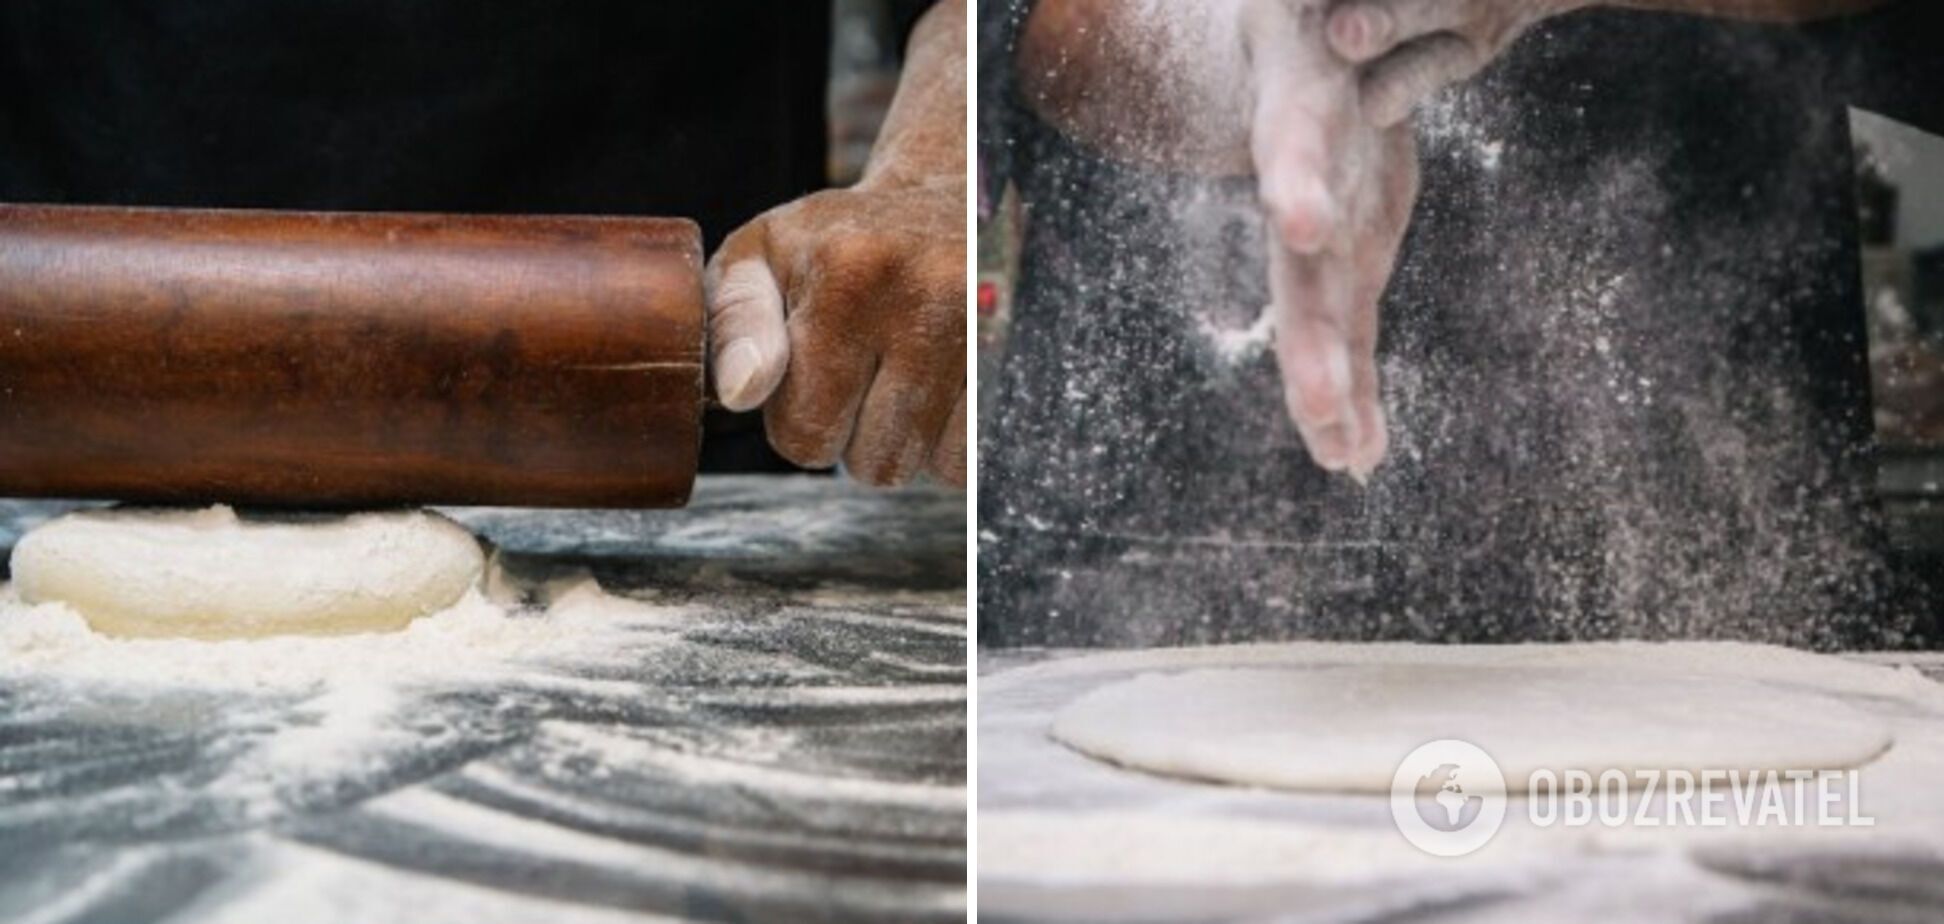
1239 346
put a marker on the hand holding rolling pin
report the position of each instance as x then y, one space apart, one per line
842 315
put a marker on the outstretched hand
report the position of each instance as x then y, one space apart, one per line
1335 82
1337 190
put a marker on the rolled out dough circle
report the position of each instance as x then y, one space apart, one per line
210 574
1346 727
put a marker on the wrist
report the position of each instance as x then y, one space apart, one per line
923 138
911 165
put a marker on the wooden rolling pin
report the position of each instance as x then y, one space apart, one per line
335 359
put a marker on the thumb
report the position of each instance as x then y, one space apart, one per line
749 346
1397 83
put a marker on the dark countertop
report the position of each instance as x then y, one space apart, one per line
792 747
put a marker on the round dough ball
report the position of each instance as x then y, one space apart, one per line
211 574
1346 727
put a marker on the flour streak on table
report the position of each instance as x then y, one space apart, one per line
767 727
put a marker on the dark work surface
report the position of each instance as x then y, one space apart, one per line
793 749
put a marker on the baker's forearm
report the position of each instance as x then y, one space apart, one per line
1768 10
924 132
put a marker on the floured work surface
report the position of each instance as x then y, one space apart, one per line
752 708
1069 837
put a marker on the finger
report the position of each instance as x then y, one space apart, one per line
1365 30
810 418
1395 85
1293 183
1366 401
920 376
1300 115
947 462
1313 351
897 425
1376 261
1374 426
749 344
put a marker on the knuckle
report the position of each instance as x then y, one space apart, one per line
847 268
803 443
745 286
940 275
852 252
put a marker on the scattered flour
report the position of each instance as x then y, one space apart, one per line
1127 847
667 746
307 884
1236 346
470 640
328 709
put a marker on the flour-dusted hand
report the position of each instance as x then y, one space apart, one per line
1253 87
1337 190
842 315
1409 49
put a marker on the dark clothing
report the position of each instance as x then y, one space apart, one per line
1623 354
713 111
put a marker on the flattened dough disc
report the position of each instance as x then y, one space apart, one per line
1345 727
210 574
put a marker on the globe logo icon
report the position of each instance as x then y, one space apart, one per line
1442 802
1448 797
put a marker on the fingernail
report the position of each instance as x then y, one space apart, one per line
1360 31
736 369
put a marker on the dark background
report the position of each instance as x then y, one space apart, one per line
1678 188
